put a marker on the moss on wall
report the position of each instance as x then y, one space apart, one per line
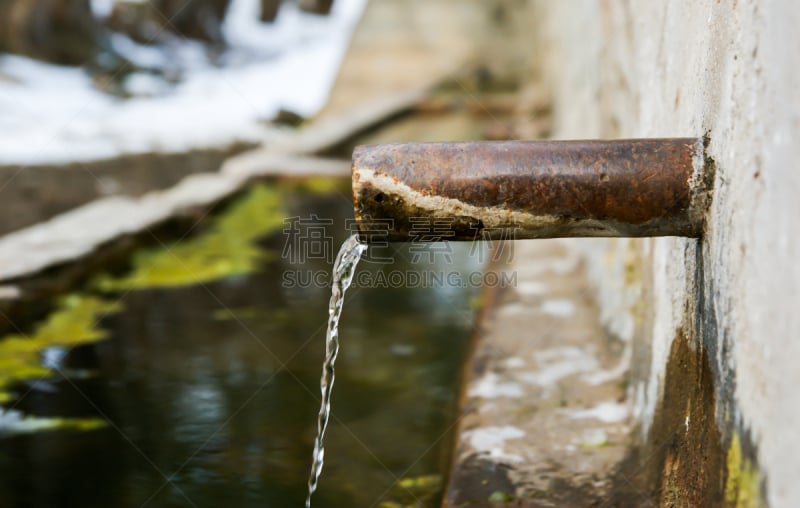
742 482
685 461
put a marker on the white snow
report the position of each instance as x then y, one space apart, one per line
513 362
558 307
531 288
607 412
557 363
491 386
491 440
54 114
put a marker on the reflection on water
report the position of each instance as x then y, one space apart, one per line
211 392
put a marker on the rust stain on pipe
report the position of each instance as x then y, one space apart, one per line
531 189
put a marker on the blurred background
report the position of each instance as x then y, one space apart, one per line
161 335
90 80
155 159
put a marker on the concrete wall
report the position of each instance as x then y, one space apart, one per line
730 70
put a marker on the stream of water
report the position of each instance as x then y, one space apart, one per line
343 270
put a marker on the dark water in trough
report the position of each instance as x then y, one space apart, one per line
209 392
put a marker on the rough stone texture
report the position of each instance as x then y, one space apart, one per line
729 70
32 194
544 421
79 232
59 31
402 46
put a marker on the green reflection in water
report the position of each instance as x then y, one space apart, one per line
220 393
17 423
414 491
72 323
227 249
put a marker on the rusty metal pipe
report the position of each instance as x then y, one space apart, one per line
531 189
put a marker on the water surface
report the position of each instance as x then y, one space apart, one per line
211 390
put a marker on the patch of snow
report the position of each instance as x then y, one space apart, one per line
594 438
154 56
490 386
531 288
514 309
557 363
146 85
558 307
491 440
513 362
102 8
53 114
485 408
608 412
613 374
555 372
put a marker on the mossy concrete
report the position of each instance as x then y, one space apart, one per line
727 71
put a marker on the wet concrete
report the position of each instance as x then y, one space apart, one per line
544 420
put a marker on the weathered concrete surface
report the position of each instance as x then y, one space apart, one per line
79 232
402 46
364 95
544 419
730 70
32 194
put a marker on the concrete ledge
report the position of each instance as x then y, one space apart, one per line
543 416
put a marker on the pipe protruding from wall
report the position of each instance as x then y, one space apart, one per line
530 189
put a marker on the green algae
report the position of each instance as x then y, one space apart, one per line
498 496
414 492
421 484
13 421
74 322
742 485
325 185
228 248
227 314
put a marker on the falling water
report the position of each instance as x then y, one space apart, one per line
343 271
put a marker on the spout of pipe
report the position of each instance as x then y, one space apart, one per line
530 189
